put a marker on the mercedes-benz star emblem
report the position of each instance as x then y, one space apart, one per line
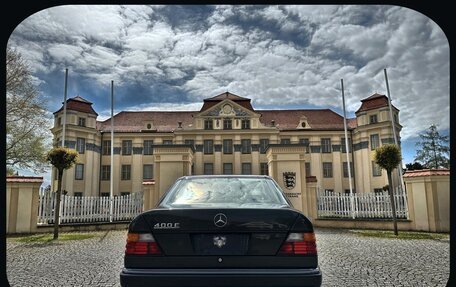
220 220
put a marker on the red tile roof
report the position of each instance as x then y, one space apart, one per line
32 179
135 121
373 102
426 172
210 102
168 121
148 182
79 104
324 119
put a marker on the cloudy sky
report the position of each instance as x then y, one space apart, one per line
172 57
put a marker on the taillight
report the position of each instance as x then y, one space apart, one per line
299 244
141 244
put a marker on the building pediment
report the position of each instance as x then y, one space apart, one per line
228 109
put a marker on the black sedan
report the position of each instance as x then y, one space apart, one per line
221 231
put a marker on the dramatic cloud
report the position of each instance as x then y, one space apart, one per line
172 57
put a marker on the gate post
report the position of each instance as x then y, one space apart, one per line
22 199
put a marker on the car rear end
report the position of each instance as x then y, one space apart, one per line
221 247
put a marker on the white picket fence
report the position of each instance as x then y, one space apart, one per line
365 205
88 209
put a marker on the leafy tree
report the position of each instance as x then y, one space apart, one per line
414 166
25 116
62 159
388 157
9 171
434 152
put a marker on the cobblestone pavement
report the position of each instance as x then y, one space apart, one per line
345 259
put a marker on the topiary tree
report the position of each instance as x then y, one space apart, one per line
388 157
62 159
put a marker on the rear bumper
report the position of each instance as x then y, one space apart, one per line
220 277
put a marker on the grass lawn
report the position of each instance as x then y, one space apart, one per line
47 237
401 234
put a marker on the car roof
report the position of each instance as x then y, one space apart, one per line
224 176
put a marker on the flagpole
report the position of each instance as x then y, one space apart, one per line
112 154
352 204
64 107
64 123
394 129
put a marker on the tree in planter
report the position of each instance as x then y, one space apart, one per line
388 157
62 159
434 152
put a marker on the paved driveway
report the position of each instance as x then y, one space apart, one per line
345 260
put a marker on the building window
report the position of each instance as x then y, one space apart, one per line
325 145
246 168
124 193
81 122
208 147
347 191
375 141
376 170
245 124
105 194
263 145
246 146
126 147
308 171
285 141
227 168
327 169
148 171
148 147
59 122
167 141
373 119
342 145
208 125
227 124
106 147
77 194
126 172
80 145
264 170
105 172
378 190
395 118
79 171
305 141
208 168
227 146
345 168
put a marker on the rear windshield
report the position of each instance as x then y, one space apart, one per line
225 192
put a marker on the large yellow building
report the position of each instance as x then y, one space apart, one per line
227 136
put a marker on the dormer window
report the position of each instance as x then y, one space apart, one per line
81 122
208 125
303 124
148 126
373 119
